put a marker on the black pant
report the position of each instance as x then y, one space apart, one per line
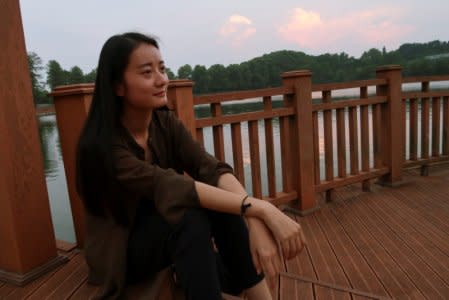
154 245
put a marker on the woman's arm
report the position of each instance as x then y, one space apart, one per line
285 230
221 200
264 248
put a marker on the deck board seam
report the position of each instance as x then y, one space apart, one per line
430 228
362 254
331 248
334 286
398 247
346 249
411 248
80 267
359 220
418 195
359 212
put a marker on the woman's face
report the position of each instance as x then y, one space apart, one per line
145 82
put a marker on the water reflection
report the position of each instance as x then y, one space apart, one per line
49 145
55 178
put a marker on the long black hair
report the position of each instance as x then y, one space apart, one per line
95 174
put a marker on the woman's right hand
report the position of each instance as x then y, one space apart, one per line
288 232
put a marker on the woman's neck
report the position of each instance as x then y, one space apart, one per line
137 122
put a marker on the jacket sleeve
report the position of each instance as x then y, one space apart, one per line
146 180
194 159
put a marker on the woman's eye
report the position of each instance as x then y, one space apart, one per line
147 72
163 69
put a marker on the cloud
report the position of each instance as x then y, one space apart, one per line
370 27
237 29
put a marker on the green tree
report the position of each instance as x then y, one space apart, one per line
90 77
264 71
372 57
218 79
75 75
201 78
185 72
170 73
235 80
35 66
55 74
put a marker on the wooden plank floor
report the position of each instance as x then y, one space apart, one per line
387 243
384 244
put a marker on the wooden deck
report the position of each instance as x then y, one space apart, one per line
383 244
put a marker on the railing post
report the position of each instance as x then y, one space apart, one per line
302 139
393 128
27 239
180 100
72 104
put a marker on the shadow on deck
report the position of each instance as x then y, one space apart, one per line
387 243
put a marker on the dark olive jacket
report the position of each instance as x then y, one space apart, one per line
173 152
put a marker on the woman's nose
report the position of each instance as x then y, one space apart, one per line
162 79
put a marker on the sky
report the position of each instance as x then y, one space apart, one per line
232 31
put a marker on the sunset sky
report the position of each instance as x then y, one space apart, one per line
225 32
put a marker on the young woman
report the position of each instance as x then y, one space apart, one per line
144 214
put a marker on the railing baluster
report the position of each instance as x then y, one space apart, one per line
285 138
354 140
446 125
341 141
316 147
377 135
404 129
328 144
364 137
436 104
424 128
237 152
269 146
413 130
253 130
200 136
218 132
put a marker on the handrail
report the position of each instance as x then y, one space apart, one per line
431 94
425 78
240 95
346 85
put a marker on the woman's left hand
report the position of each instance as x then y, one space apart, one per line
264 250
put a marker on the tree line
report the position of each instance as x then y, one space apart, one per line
55 75
417 59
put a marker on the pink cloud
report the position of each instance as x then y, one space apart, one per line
309 29
237 29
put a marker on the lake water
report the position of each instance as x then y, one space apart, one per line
55 175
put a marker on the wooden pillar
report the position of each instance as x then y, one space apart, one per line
72 104
180 100
27 240
393 129
302 142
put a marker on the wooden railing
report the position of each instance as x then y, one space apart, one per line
426 118
217 120
347 124
325 141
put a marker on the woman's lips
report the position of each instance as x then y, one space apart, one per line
160 94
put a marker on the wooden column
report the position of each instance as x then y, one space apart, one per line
302 142
393 128
27 239
180 100
72 104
